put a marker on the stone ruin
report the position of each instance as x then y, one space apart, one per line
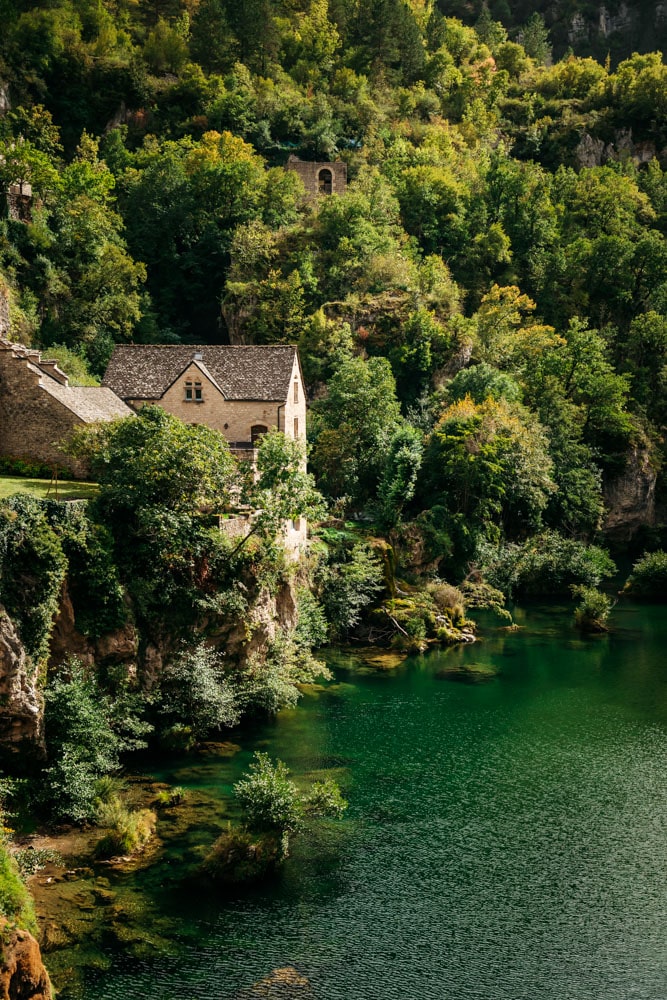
320 178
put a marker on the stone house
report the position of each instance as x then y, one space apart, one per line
320 178
239 390
39 409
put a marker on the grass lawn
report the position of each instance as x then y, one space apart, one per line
67 489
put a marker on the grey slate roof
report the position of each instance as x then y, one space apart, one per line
145 371
90 403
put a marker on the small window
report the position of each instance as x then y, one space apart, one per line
188 392
296 392
198 393
296 427
256 432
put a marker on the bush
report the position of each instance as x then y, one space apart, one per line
449 600
272 809
81 746
195 693
546 564
171 796
32 569
269 800
593 610
269 681
649 577
129 830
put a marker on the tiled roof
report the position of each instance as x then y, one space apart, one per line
90 403
145 371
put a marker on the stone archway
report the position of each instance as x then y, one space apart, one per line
325 181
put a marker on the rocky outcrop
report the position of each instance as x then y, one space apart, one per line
20 698
22 973
630 498
119 646
594 152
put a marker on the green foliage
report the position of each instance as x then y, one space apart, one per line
32 569
546 564
269 680
15 901
194 692
83 743
269 800
349 578
355 424
592 612
128 830
649 577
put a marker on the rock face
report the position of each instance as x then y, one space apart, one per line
630 499
22 973
20 699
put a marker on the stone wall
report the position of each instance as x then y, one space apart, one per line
321 177
31 421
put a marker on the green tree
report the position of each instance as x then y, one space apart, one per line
356 421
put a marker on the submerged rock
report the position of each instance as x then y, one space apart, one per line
468 673
281 984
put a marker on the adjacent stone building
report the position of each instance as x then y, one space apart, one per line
39 409
320 178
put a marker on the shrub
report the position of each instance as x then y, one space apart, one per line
593 610
32 569
649 577
272 809
449 600
269 681
25 468
171 796
195 693
129 830
269 800
81 745
324 799
31 860
545 564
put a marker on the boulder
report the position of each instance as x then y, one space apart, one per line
21 707
22 972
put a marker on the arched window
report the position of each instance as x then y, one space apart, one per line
325 181
256 432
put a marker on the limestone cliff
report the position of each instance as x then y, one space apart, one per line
20 698
630 498
22 973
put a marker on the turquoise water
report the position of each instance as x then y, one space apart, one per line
504 840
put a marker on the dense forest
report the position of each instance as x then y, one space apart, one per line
481 317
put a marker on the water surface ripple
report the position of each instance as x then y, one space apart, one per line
505 841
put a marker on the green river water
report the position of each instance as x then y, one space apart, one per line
504 839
